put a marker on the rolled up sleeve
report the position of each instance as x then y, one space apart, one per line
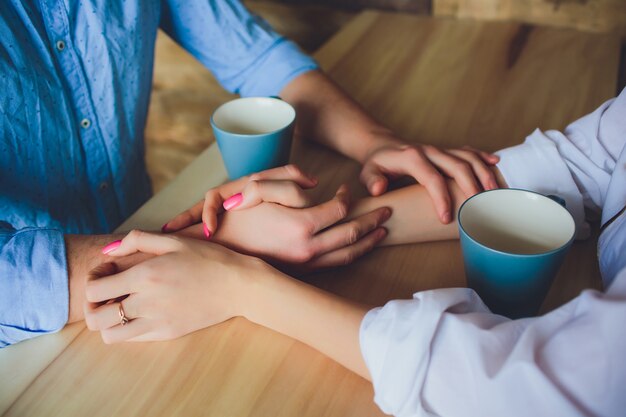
34 295
444 354
576 164
241 49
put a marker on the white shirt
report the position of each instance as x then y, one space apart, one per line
443 353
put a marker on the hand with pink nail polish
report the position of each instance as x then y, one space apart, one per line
312 237
285 185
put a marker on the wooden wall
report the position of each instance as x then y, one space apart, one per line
586 15
415 6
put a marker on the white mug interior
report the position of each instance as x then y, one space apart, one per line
516 221
253 115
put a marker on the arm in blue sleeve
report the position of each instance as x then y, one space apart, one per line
241 49
34 295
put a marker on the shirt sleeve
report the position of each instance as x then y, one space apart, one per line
576 164
34 295
444 354
241 49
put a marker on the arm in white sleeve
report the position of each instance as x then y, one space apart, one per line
575 164
444 354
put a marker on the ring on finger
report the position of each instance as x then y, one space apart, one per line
123 319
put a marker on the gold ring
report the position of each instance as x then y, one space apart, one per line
123 319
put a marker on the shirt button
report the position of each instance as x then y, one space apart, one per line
85 123
60 45
103 186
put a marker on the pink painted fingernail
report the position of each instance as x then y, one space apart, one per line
111 247
207 232
233 201
164 229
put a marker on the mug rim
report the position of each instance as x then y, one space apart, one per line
252 135
552 251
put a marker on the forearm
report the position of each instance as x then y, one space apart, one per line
317 318
328 115
414 218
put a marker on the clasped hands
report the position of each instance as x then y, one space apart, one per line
189 284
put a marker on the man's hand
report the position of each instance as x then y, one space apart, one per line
329 116
429 165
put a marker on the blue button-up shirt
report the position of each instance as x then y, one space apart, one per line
75 82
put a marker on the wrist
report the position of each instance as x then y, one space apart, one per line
252 288
375 140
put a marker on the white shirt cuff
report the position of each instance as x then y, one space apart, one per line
536 165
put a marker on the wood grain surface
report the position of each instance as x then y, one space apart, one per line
433 80
587 15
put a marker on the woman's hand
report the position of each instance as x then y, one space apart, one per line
310 237
186 286
429 165
189 285
283 185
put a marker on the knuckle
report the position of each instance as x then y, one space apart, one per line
296 195
413 153
293 170
353 234
90 320
434 178
187 216
135 234
463 167
342 209
348 258
253 187
305 254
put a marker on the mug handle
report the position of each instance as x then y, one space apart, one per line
557 199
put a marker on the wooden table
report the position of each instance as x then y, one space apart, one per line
439 81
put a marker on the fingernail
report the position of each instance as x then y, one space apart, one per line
207 232
111 247
164 229
446 217
382 232
387 214
233 201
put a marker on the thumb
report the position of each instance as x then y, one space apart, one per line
373 178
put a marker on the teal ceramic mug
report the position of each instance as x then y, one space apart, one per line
513 242
253 134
